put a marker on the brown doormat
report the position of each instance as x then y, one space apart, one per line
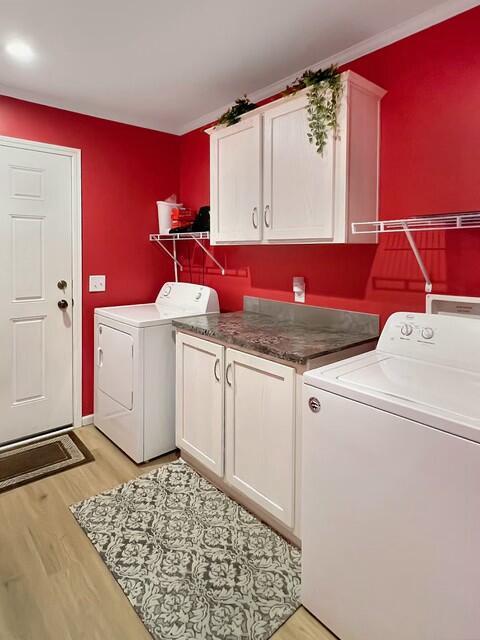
30 462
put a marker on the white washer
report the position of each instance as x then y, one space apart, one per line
135 368
391 486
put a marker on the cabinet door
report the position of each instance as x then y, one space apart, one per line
260 432
298 182
199 400
235 169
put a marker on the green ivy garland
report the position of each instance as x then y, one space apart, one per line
324 92
232 116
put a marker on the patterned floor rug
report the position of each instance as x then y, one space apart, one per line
193 563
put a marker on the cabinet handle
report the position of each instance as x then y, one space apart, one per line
265 215
100 357
229 366
254 217
217 376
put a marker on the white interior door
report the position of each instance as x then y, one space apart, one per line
36 373
260 431
298 182
236 166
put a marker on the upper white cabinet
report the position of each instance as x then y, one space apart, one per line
269 184
298 182
236 181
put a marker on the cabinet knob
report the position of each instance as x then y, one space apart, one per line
265 215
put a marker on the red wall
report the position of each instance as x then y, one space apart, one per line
430 159
125 170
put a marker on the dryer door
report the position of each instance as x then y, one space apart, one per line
115 353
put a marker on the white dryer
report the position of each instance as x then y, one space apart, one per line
134 403
391 485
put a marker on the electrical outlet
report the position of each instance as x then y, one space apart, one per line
299 288
96 283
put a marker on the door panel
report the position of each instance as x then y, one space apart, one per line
35 253
260 431
28 251
298 182
199 400
28 360
115 364
236 182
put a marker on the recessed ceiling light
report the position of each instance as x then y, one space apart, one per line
20 50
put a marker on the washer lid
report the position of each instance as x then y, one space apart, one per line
440 396
142 315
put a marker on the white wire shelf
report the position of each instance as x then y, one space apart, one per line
439 222
196 236
467 220
192 235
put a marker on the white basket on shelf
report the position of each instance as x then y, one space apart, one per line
165 215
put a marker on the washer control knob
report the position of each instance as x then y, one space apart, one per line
198 295
167 290
314 404
406 329
427 333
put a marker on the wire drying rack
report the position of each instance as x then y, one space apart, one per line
440 222
197 236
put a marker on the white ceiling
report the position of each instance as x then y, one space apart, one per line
168 65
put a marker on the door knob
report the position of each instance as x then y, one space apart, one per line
61 284
62 304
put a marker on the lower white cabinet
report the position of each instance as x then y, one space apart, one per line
235 414
200 400
260 432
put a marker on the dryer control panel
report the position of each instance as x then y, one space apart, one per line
186 296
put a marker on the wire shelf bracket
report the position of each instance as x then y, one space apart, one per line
197 237
440 222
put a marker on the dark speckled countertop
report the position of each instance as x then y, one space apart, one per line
280 337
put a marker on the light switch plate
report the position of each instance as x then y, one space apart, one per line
96 283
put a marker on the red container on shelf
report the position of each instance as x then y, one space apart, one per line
182 217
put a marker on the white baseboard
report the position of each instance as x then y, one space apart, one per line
87 420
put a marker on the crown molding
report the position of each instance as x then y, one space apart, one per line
428 18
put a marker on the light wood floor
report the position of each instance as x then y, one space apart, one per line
53 584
